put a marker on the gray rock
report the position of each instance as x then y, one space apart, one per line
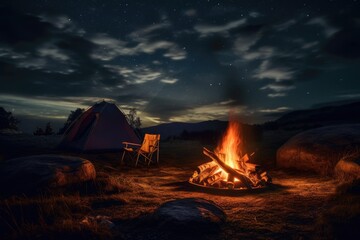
33 173
319 150
190 213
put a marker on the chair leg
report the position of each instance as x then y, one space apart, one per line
149 158
122 158
137 159
157 156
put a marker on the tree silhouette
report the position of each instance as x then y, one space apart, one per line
133 119
7 120
71 118
39 131
48 129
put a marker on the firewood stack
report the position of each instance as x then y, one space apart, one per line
217 174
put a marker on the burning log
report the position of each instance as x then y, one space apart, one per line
251 167
214 178
206 173
202 173
230 181
205 166
227 168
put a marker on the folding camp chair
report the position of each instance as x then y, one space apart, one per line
148 150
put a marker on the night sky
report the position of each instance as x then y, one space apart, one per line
185 61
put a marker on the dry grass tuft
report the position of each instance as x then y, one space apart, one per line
22 217
341 216
340 219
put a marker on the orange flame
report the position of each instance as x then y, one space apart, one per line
230 148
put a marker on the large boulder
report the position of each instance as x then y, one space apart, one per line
319 150
39 172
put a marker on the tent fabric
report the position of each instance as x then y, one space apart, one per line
101 127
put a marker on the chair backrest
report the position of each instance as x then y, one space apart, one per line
150 143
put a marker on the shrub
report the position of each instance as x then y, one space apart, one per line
7 120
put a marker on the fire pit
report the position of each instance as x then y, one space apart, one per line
229 168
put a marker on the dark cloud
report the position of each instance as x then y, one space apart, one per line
217 43
345 43
249 29
308 74
17 28
275 115
65 69
21 81
335 103
165 108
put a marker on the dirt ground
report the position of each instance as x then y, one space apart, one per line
286 211
289 209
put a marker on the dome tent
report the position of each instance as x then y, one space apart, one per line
101 127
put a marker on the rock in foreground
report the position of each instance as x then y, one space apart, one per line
191 213
319 150
40 172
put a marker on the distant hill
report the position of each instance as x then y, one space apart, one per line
208 131
296 120
311 118
176 129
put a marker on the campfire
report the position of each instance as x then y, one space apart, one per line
230 168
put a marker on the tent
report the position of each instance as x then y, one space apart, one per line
101 127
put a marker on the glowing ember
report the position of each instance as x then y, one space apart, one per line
229 168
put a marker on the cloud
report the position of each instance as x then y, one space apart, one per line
63 23
207 29
349 95
41 58
190 12
278 74
53 52
145 33
175 53
327 28
141 74
274 110
265 71
310 45
274 95
110 48
285 25
208 112
169 81
137 75
50 107
254 14
277 87
244 42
